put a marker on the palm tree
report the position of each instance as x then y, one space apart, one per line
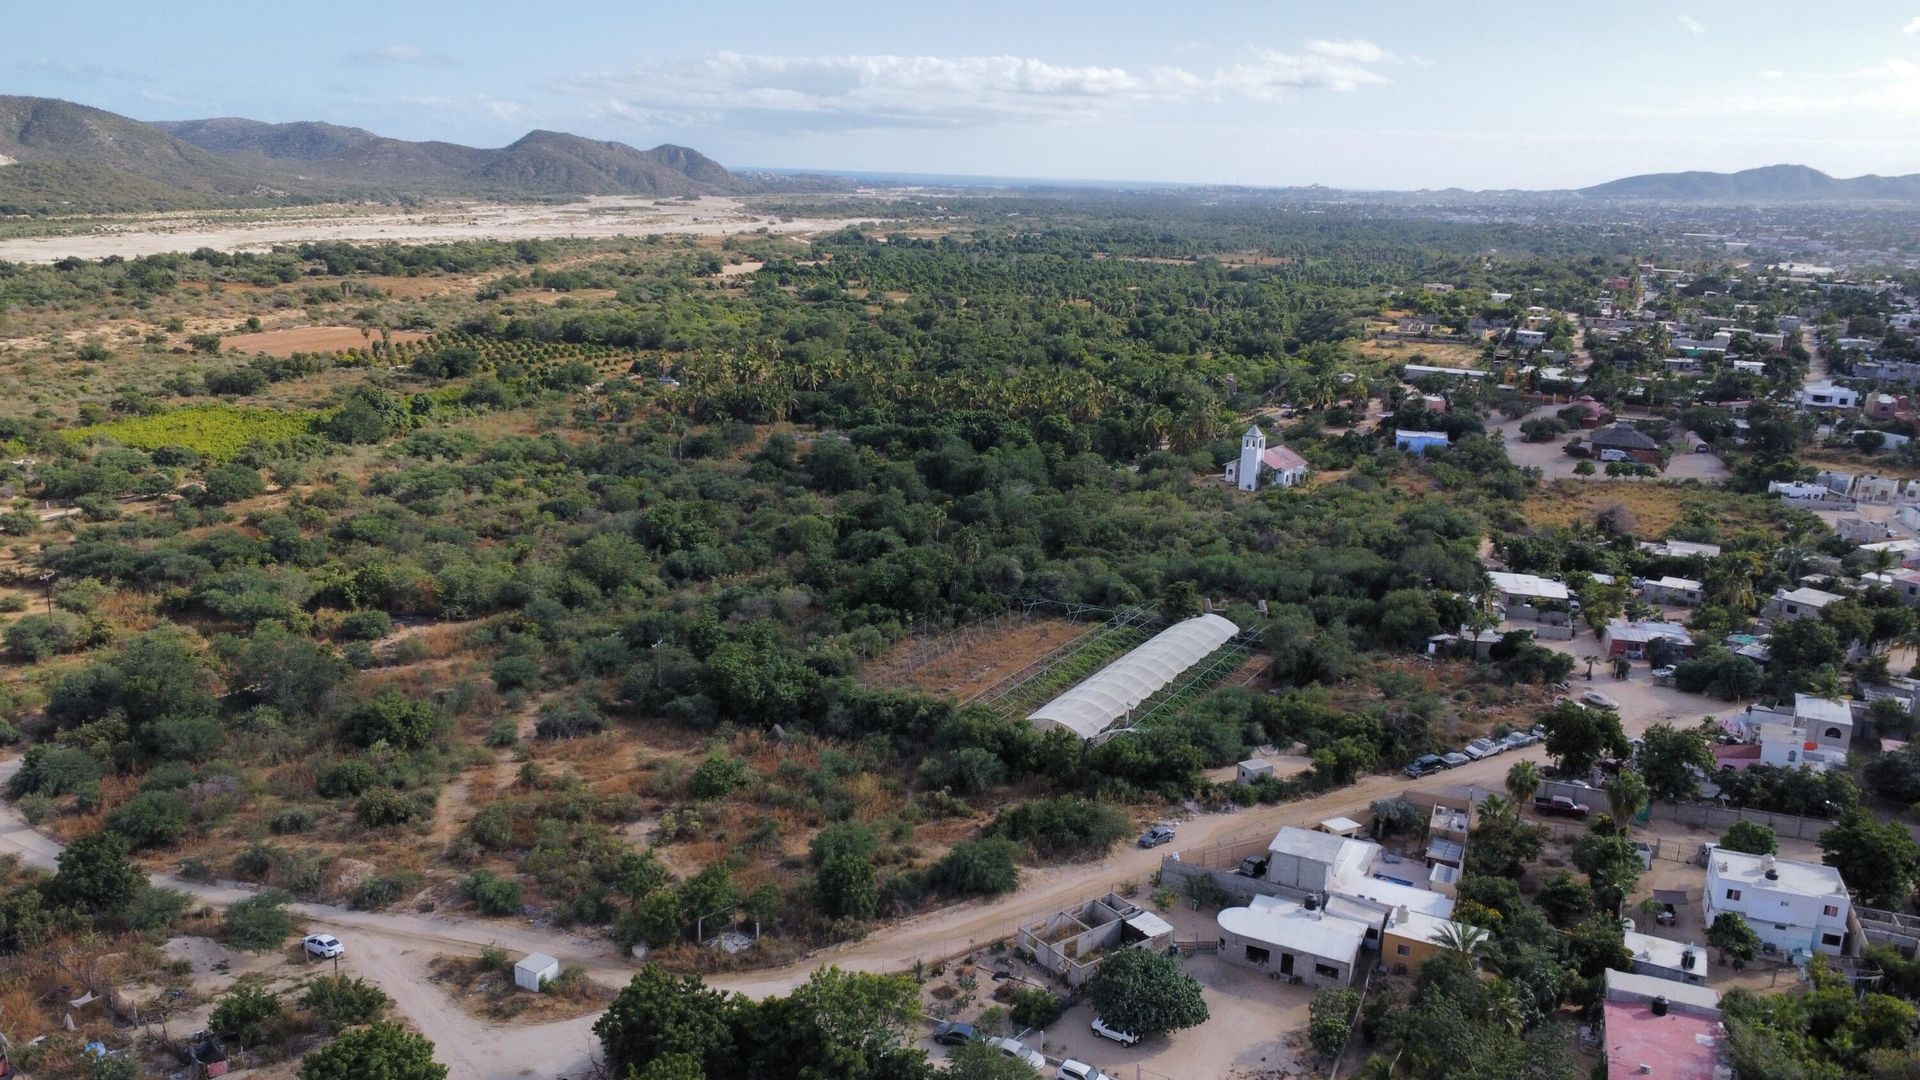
1469 941
1523 780
1497 808
1378 1068
1627 795
1590 661
1502 1007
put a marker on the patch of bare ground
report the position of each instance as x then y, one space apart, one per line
484 987
972 659
309 339
554 296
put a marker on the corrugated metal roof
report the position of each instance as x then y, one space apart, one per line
1114 691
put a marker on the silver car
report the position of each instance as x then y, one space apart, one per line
1484 748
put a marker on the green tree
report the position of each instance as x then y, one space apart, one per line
1578 737
1879 861
681 1067
976 868
1627 795
258 923
1733 937
1611 864
342 1001
846 887
1751 837
1146 993
1330 1019
392 718
244 1013
378 1052
231 483
96 874
1673 761
659 1013
981 1060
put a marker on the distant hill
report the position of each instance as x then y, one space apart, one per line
540 163
74 157
59 157
1773 183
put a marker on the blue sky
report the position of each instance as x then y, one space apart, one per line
1367 93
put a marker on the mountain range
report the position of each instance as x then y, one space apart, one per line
61 157
57 156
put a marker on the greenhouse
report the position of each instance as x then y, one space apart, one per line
1117 689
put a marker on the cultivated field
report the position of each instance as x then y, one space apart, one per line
310 339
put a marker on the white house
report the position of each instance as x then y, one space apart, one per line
1798 908
1664 959
1828 395
1801 603
1680 549
1313 861
1675 591
1292 941
1257 465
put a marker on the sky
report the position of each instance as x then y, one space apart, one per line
1380 94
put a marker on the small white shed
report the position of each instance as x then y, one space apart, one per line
1253 769
534 970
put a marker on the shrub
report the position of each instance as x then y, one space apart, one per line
244 1013
718 775
1069 827
341 1001
515 672
150 819
1330 1018
1035 1008
36 637
976 868
291 819
569 721
383 808
346 779
395 719
492 894
258 923
378 891
1751 837
231 483
57 770
366 626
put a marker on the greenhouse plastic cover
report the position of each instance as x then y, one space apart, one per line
1114 691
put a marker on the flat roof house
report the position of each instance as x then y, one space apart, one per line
1656 1028
1526 590
1828 395
1300 943
1798 908
1664 959
1630 639
1675 592
1313 861
1414 937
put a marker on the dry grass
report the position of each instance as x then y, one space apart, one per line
309 339
1654 505
488 992
1437 354
968 661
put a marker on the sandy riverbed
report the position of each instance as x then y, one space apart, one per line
599 216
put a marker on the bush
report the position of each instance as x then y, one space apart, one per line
57 770
1750 837
231 483
291 819
515 672
571 721
395 719
718 775
366 626
150 819
36 637
1330 1018
379 891
341 1001
976 868
244 1013
154 909
1062 828
346 779
383 1050
1035 1008
258 923
383 808
492 894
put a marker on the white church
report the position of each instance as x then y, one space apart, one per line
1258 465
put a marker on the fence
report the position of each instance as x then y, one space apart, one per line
1721 818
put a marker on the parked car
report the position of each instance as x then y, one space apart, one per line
1598 700
1078 1070
1454 760
954 1034
1156 836
1483 748
1124 1038
1517 739
1424 764
1253 866
324 946
1019 1051
1559 806
1663 672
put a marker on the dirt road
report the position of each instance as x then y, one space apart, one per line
393 949
599 216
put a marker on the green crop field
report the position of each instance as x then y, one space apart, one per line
216 432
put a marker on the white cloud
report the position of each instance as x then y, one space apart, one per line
1912 27
857 91
1693 25
1773 73
410 55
